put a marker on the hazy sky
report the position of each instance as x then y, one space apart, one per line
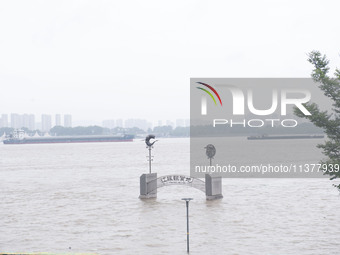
122 59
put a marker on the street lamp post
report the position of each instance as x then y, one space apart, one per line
150 159
149 145
187 200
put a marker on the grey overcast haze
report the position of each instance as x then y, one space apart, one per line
133 59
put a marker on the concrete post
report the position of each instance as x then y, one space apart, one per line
148 185
213 187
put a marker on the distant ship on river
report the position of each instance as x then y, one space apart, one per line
20 137
272 137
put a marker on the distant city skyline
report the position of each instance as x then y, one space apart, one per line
45 122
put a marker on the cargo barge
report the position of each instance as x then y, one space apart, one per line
18 138
270 137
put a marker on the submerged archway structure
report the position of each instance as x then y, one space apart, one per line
149 183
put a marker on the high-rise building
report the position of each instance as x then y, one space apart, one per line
31 122
4 120
58 120
67 120
46 122
160 123
25 120
16 120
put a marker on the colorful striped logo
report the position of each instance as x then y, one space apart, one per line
209 93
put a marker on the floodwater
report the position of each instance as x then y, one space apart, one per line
69 198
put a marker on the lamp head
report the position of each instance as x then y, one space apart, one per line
187 199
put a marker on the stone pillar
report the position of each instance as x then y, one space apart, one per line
148 185
213 187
